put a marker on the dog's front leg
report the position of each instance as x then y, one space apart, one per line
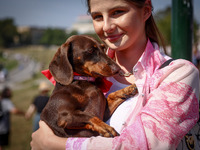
82 120
95 124
116 98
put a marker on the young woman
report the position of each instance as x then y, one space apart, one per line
166 107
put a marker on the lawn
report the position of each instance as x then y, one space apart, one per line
21 129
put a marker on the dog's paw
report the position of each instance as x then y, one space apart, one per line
111 132
130 91
102 128
106 130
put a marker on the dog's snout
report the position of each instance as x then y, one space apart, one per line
115 68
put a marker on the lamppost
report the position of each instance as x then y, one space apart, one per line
182 29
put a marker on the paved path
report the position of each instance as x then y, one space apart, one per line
25 70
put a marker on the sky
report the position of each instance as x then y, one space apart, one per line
59 13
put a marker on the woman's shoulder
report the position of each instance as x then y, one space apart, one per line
183 65
183 61
178 73
177 70
178 64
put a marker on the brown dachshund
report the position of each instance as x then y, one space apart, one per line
76 107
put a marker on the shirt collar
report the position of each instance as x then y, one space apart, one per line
151 58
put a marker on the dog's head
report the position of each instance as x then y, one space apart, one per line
83 55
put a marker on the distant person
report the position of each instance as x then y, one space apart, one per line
38 104
7 107
3 73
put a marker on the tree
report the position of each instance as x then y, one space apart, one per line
195 31
163 21
7 32
53 37
73 32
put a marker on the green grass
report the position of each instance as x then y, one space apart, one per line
21 129
8 64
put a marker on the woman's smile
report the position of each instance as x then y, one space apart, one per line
114 37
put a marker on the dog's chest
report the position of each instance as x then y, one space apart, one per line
84 91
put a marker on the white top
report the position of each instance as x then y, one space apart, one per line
119 116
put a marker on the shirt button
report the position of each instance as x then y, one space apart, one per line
135 71
124 124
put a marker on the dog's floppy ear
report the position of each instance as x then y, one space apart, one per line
60 66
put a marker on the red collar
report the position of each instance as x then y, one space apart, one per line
105 86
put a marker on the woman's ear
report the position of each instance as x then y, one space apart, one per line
147 10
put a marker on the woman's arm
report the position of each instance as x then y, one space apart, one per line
16 111
44 139
168 113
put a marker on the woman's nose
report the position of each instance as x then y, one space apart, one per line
108 25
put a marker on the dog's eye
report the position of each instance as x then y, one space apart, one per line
91 50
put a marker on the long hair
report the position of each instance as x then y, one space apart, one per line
152 31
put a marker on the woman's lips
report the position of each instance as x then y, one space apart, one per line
113 38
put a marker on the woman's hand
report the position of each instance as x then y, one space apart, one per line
40 137
44 139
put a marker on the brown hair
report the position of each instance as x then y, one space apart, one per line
151 28
6 93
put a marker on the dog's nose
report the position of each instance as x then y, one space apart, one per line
115 68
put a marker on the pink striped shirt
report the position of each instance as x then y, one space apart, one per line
167 107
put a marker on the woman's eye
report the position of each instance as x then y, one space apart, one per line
97 17
117 12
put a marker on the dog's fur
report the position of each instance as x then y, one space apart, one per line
76 108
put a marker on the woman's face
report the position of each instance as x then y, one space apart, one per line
118 23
